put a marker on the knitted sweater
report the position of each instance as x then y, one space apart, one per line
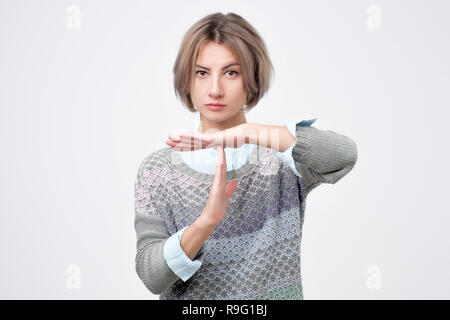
254 252
205 160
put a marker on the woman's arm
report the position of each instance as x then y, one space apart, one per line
322 156
274 137
159 263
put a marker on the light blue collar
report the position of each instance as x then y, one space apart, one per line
205 160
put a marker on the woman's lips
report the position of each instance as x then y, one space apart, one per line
215 107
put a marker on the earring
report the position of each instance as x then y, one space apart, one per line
243 108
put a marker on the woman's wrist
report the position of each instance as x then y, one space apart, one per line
274 137
249 133
206 223
234 137
253 132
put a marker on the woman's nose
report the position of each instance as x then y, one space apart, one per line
216 87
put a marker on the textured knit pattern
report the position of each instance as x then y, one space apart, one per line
254 252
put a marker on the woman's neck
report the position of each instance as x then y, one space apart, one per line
206 124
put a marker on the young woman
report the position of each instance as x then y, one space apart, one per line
220 211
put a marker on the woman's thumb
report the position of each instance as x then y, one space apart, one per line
230 189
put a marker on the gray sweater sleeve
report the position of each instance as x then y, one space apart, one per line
151 233
322 156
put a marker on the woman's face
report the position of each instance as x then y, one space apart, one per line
217 78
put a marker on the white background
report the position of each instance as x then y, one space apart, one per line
82 107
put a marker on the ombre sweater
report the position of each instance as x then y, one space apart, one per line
254 252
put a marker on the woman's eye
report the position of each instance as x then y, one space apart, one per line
202 73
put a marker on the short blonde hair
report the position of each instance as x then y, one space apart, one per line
237 34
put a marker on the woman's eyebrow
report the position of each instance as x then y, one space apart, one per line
229 65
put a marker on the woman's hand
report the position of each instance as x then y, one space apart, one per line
189 141
216 206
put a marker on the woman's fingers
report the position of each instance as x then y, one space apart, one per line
195 141
184 146
221 172
221 168
188 142
224 162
